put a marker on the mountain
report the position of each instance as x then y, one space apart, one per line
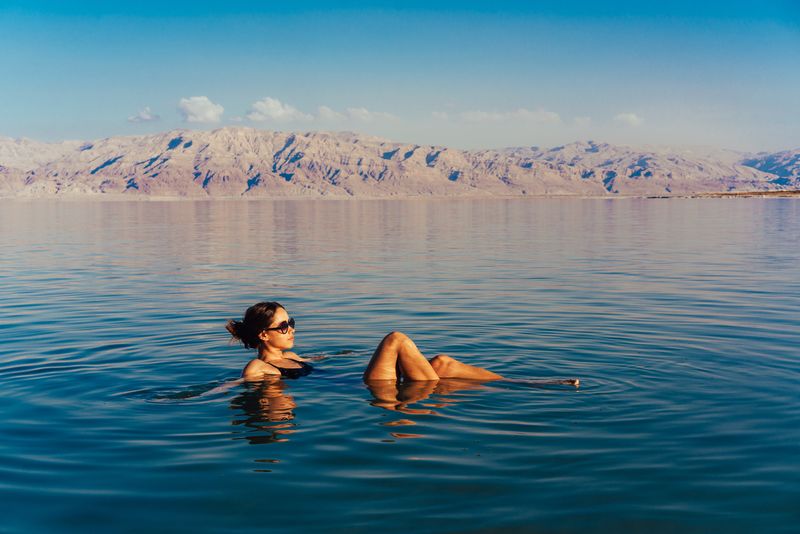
28 154
245 162
784 165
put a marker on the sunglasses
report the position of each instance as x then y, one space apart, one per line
284 327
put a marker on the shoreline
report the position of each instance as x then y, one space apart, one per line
794 193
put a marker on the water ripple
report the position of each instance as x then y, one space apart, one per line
119 388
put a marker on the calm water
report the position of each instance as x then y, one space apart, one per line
681 317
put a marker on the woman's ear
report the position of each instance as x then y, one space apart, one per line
263 336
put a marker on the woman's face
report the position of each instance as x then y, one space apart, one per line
275 338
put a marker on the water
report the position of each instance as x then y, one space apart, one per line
679 316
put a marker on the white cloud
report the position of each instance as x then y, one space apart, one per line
482 116
200 109
582 122
631 119
439 115
539 116
327 114
144 116
363 114
273 109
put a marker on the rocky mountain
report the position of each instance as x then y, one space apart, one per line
245 162
785 165
28 154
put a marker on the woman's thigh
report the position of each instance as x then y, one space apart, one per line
398 357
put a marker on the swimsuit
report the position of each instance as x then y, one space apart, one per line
286 372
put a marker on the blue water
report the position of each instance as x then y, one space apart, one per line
681 318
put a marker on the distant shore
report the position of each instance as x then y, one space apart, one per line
750 194
337 198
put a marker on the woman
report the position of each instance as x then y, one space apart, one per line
268 328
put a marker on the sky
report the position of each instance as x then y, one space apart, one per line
460 74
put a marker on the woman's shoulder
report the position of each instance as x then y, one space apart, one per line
256 369
289 355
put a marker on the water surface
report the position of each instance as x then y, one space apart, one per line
679 316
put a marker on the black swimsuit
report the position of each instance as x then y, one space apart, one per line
287 372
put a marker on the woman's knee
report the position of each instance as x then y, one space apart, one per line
395 337
441 362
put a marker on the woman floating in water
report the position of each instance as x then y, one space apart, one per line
267 327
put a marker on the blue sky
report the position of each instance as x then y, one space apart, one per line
461 74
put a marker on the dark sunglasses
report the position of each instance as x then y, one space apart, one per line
284 327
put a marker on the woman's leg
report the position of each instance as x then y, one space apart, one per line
397 356
448 367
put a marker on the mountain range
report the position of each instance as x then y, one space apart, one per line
237 162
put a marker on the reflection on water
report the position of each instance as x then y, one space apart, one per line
400 396
391 395
267 410
397 396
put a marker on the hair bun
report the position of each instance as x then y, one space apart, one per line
236 328
256 319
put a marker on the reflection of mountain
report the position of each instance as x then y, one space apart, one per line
244 162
